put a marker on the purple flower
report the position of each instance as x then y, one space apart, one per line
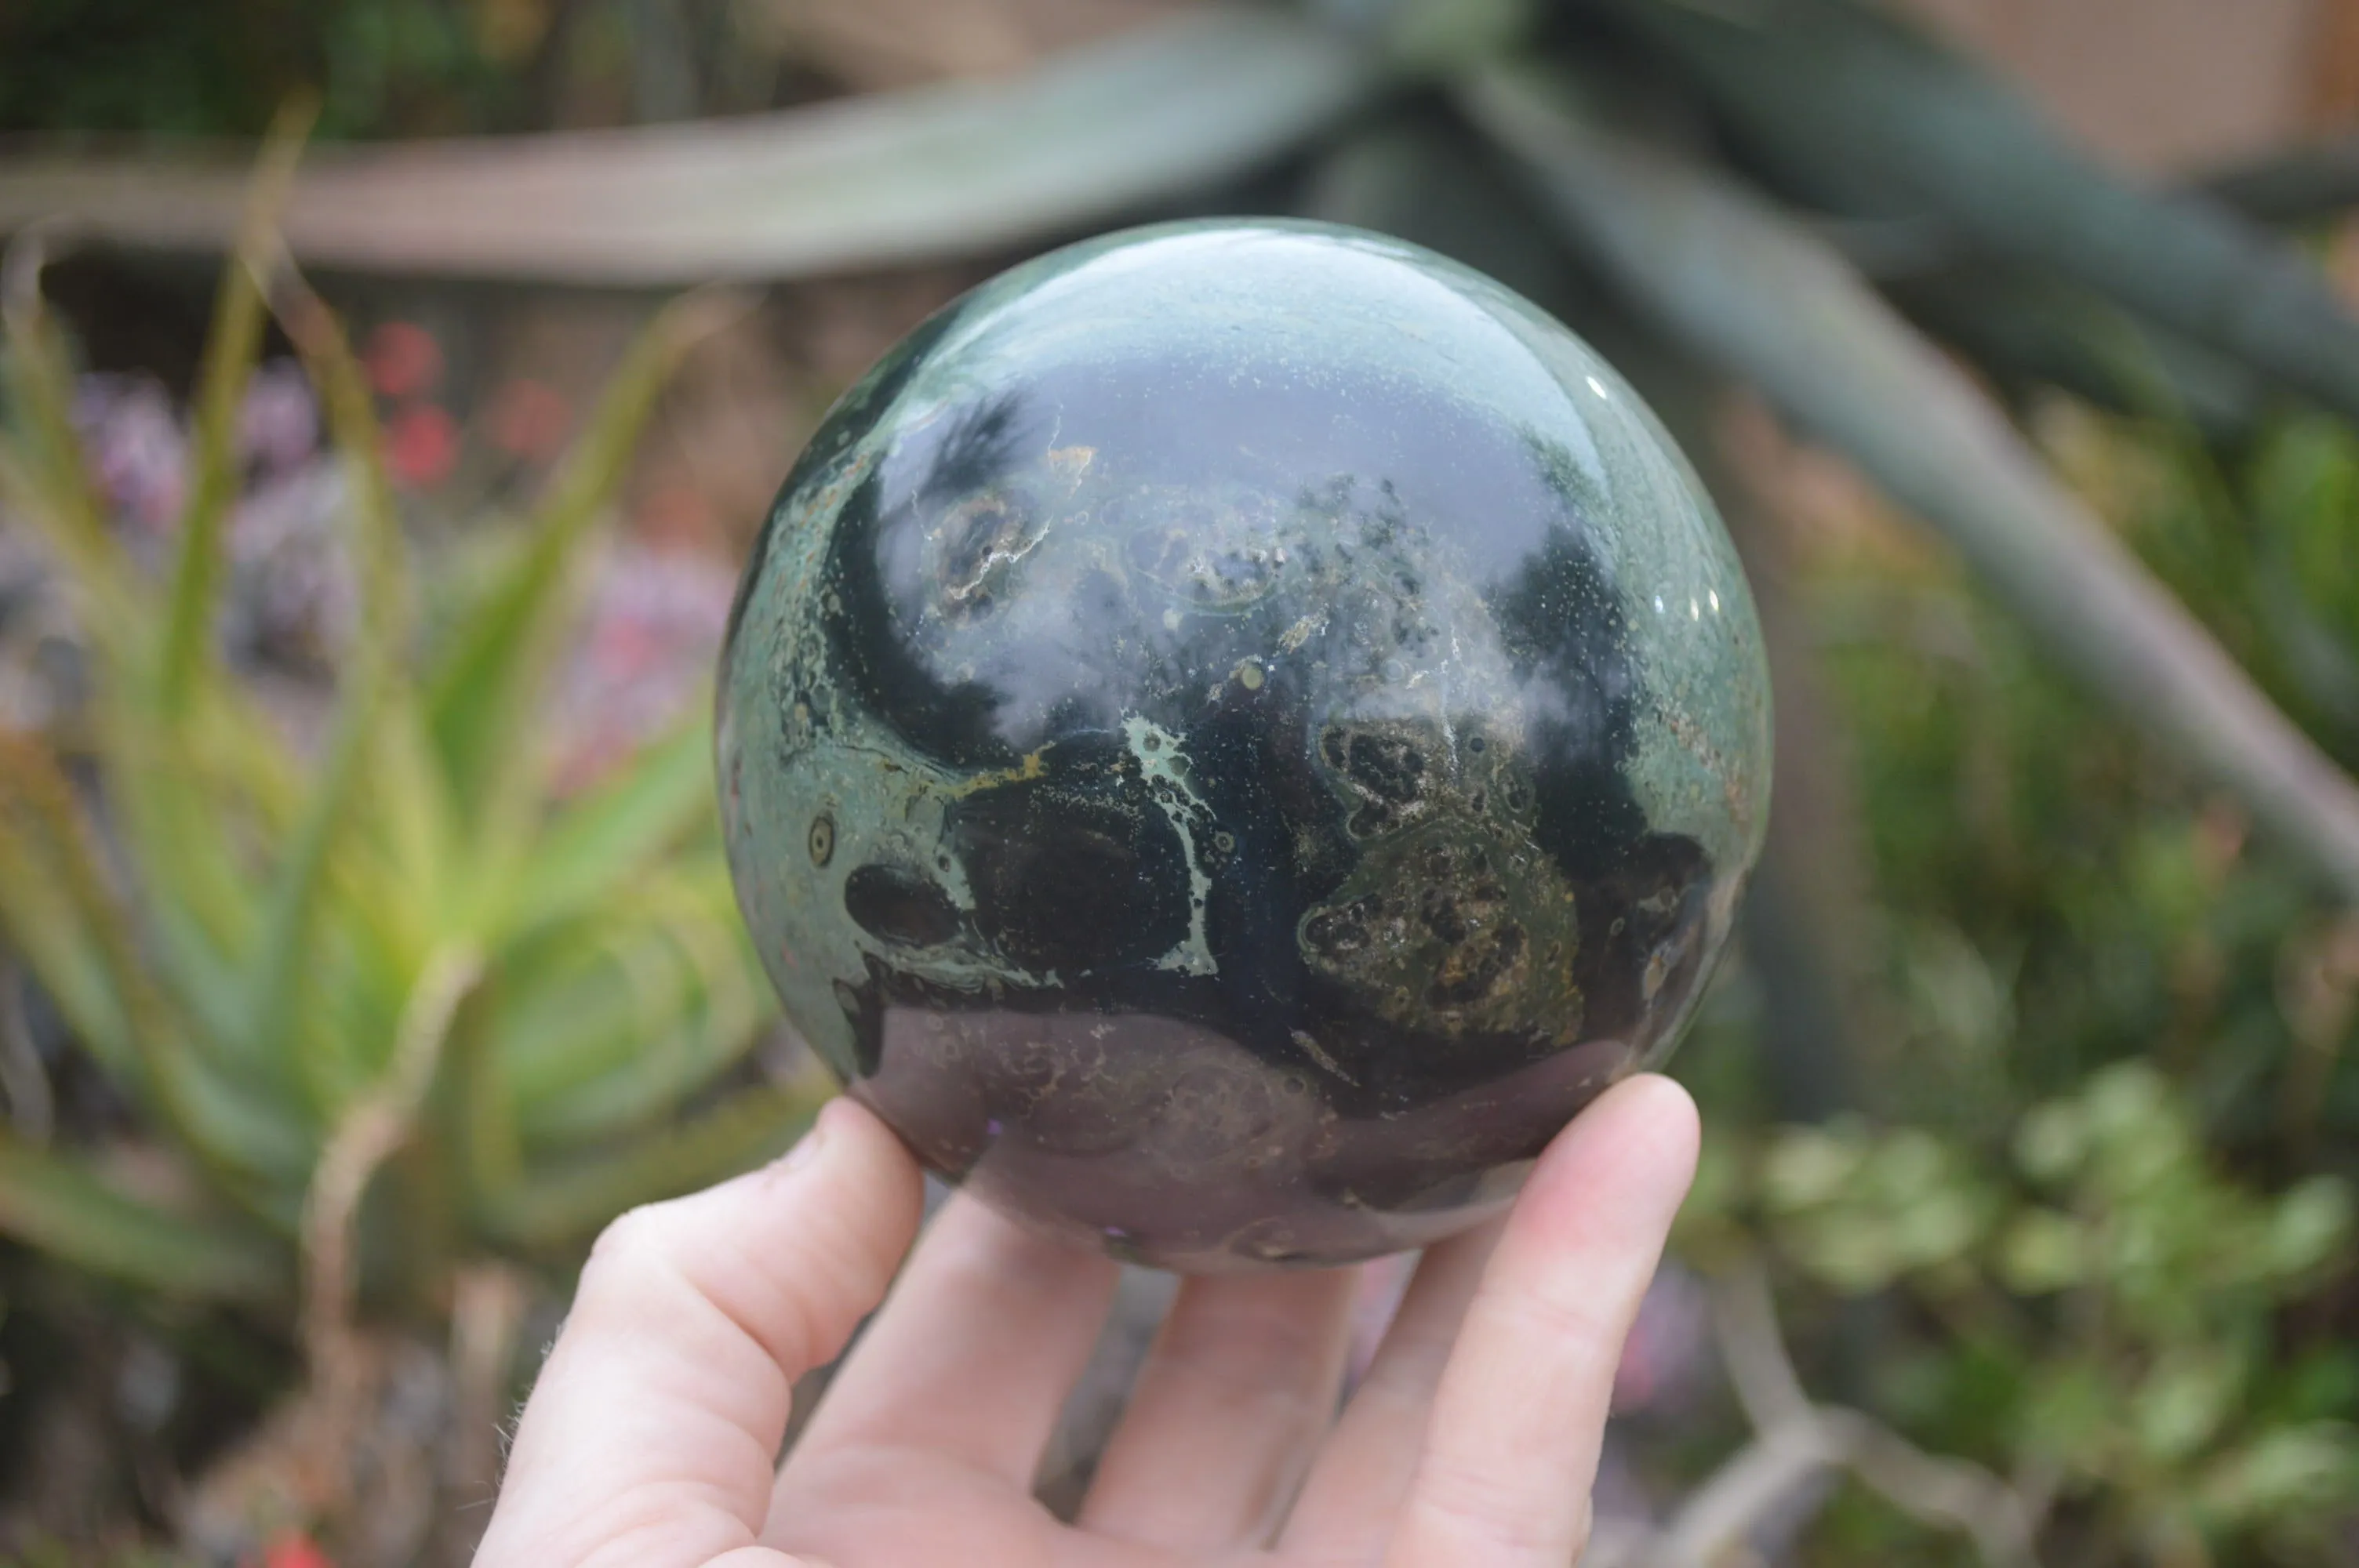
647 647
278 424
293 591
137 453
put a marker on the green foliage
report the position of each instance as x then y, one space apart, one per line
2098 1205
266 948
2108 1302
223 67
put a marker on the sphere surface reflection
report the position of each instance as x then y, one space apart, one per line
1234 733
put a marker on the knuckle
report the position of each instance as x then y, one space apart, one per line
634 1233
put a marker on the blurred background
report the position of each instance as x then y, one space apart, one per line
393 386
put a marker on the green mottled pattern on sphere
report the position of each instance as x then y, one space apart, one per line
1234 733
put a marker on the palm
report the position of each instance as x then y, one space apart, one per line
1472 1439
894 1506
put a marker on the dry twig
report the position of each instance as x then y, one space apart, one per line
1797 1444
375 1125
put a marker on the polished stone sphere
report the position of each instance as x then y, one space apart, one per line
1234 734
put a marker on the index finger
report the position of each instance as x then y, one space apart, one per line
1512 1447
653 1430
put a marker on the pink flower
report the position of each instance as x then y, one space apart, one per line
530 419
295 1549
403 360
421 445
650 633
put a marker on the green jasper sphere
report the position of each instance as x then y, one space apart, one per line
1234 733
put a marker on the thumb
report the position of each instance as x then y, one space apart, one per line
653 1432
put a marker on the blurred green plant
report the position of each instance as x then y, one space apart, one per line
2112 1302
223 67
399 952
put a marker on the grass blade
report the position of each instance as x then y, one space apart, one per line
1761 296
951 170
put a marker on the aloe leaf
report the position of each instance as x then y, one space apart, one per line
186 832
294 925
379 546
596 844
415 845
56 905
217 1116
44 926
2027 327
1856 101
231 350
256 1146
1761 296
551 1209
42 473
957 169
58 884
54 1205
564 1019
209 987
2292 186
613 995
480 697
591 1006
711 1003
664 1074
2284 187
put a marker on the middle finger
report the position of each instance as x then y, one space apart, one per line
1240 1386
1356 1487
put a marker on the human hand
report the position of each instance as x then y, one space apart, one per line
650 1440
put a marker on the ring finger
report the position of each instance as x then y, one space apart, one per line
1241 1385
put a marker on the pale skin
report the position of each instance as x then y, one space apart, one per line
1472 1439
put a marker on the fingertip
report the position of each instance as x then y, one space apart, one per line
1646 1119
1511 1443
878 1157
852 1120
1664 1108
1623 1168
852 1144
